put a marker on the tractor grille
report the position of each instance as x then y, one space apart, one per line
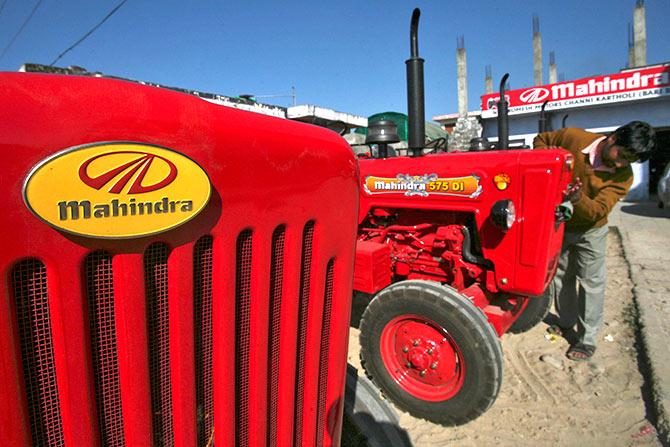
39 368
202 291
156 284
323 352
303 306
276 275
100 292
242 320
139 333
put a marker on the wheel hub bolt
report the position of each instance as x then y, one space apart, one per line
430 351
408 364
416 343
433 365
405 349
422 373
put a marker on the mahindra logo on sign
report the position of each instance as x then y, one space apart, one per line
117 190
630 85
128 163
532 95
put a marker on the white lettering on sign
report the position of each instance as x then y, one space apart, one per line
631 85
606 85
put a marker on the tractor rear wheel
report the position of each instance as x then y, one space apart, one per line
431 351
536 310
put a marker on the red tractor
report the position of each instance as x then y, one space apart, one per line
454 247
174 272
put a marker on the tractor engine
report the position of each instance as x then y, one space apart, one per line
432 250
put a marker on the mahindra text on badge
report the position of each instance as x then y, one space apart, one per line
117 190
424 185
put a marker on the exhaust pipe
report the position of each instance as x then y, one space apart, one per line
416 139
543 123
503 110
565 118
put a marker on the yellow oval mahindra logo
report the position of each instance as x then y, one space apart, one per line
117 190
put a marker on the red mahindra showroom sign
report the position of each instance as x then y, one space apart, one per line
631 85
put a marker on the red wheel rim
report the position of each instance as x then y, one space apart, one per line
422 358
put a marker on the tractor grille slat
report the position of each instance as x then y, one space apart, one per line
276 283
29 280
100 292
303 306
323 361
202 285
242 334
156 283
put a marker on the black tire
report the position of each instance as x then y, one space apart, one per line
477 355
373 421
537 309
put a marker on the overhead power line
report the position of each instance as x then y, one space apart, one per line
91 31
11 42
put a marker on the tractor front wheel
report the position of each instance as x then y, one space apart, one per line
431 351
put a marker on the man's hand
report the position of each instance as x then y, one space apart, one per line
574 191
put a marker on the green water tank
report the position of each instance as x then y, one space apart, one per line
400 120
433 131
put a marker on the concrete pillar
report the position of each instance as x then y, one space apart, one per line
553 73
631 47
537 51
462 72
488 81
640 34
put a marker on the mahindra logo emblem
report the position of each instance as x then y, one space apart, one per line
141 162
534 95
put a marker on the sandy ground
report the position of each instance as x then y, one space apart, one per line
569 404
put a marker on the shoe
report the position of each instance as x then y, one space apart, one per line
579 352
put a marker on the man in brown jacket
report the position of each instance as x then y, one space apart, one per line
601 177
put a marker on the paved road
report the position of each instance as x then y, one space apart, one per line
645 235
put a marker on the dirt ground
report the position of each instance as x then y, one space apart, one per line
570 403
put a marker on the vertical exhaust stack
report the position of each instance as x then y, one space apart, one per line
503 109
416 139
544 125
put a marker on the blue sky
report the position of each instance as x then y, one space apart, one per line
346 55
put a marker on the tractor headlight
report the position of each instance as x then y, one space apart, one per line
503 214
